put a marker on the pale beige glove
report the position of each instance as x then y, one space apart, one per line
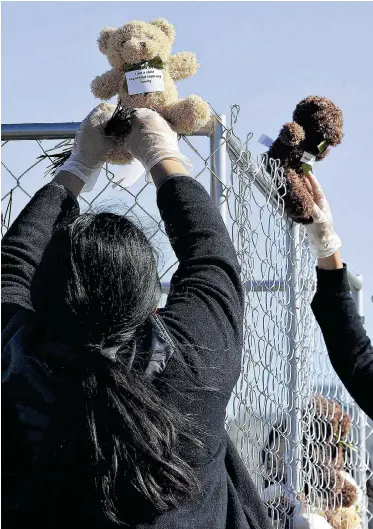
323 240
91 145
152 140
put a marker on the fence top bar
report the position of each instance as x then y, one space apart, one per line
38 131
58 131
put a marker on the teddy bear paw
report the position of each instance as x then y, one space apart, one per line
189 115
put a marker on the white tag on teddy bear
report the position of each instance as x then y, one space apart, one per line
266 140
308 158
145 81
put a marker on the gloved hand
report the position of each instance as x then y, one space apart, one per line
152 140
323 240
91 146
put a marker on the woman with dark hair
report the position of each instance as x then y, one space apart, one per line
113 412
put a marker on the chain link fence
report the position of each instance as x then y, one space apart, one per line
301 437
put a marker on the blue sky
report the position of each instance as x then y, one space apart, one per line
265 56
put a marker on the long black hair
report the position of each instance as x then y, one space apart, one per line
99 287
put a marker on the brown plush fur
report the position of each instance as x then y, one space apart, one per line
330 426
348 494
330 418
137 42
315 119
343 518
337 491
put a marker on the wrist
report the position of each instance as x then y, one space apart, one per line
86 168
159 156
87 173
69 181
166 168
333 262
323 245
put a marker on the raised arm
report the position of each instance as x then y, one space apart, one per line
24 244
350 350
204 310
205 304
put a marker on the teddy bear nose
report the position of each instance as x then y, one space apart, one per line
143 44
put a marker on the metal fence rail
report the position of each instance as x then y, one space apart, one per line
273 416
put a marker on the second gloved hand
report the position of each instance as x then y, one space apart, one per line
323 240
152 140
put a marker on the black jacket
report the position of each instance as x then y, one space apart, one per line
204 309
350 350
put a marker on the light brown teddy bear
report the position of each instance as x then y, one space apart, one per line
143 75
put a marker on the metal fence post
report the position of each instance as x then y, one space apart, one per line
218 165
294 351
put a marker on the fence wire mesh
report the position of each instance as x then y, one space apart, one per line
301 437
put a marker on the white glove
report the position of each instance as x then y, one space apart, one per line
91 146
323 240
310 521
152 140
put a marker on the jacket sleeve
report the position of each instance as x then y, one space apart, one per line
205 304
350 350
24 243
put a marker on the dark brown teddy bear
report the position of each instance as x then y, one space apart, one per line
317 125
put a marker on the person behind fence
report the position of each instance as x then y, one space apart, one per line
114 412
349 348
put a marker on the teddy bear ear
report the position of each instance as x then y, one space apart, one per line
103 39
166 27
291 134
